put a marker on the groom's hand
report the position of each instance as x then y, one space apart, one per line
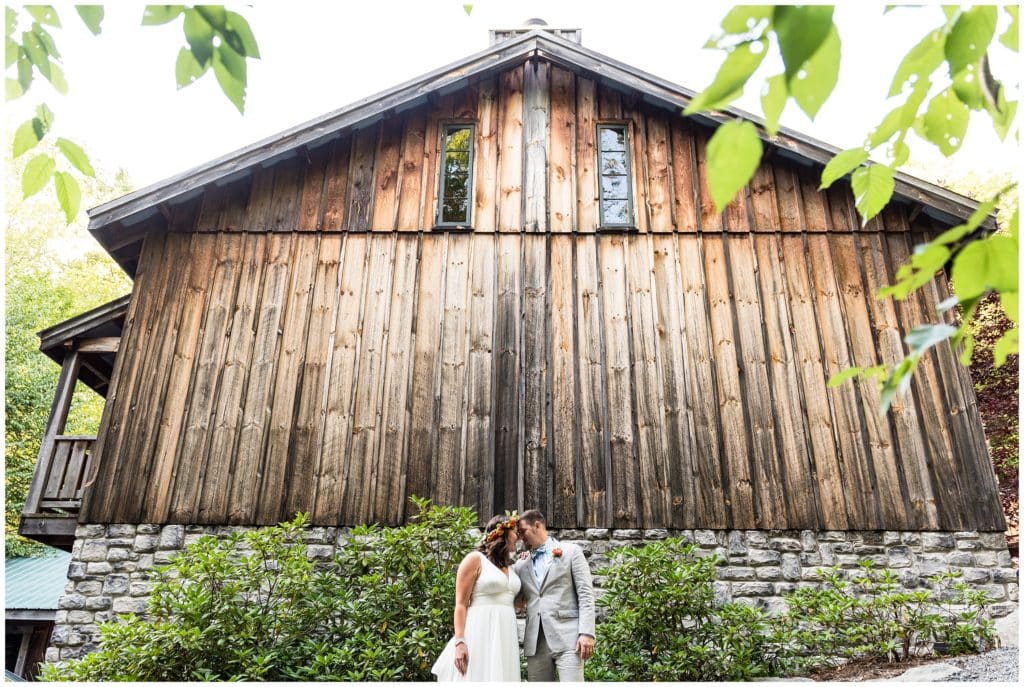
585 646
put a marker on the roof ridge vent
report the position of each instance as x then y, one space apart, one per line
534 24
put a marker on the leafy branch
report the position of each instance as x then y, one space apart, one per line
940 82
215 38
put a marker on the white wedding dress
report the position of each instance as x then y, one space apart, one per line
492 638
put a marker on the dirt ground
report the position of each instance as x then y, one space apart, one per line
860 671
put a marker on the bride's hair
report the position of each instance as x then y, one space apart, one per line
495 544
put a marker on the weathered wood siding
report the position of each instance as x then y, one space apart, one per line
301 340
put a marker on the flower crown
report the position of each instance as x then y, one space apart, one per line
501 528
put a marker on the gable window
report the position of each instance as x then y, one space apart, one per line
456 175
616 196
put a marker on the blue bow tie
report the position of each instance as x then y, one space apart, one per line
537 552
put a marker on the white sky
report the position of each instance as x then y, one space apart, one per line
316 57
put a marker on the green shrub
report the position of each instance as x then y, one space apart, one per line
253 606
663 622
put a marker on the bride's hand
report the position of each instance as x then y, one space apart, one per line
461 658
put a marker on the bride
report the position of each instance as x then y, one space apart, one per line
485 647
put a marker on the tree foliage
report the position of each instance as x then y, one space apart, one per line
48 278
215 39
943 79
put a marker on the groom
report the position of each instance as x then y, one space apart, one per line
559 604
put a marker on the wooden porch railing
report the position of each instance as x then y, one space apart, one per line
61 471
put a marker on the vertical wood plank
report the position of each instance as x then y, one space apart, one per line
680 450
448 461
485 166
507 374
787 188
709 219
758 391
639 164
360 178
536 428
388 482
586 156
655 492
623 476
536 105
564 438
762 198
336 455
288 364
257 212
510 176
312 194
827 471
477 485
234 210
913 454
741 489
426 368
685 200
385 172
561 171
712 507
307 436
284 200
659 173
227 416
193 461
336 190
785 391
366 411
816 211
410 181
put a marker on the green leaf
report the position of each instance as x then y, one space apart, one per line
238 30
1014 227
924 336
214 15
734 152
967 87
468 9
76 156
840 377
930 258
92 16
229 84
57 80
37 173
11 52
947 304
1011 38
739 64
969 38
1007 345
1003 263
743 19
24 71
1011 303
900 153
14 89
36 52
11 22
186 69
814 83
774 95
800 31
1002 114
44 14
160 14
945 122
233 62
898 382
970 270
923 59
901 117
47 40
842 164
25 138
45 116
199 35
872 189
68 194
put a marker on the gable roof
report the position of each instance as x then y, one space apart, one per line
35 582
131 209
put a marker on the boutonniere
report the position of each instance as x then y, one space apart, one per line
557 553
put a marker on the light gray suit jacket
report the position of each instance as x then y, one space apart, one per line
563 603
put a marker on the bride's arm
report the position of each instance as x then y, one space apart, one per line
465 578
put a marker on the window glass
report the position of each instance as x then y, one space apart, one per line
456 174
613 163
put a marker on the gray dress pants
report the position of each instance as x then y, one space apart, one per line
541 666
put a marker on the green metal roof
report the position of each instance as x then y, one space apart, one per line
36 582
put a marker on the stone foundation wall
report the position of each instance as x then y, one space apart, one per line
111 565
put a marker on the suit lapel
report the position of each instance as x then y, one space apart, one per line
551 564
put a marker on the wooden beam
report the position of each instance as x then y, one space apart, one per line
54 426
102 344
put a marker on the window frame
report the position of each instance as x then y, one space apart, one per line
446 128
630 222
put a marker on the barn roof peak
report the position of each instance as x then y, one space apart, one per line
535 24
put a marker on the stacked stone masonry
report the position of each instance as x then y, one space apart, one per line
111 565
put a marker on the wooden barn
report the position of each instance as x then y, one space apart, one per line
503 285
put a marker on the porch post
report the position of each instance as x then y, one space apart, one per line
55 425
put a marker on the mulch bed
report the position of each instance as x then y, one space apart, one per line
877 669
